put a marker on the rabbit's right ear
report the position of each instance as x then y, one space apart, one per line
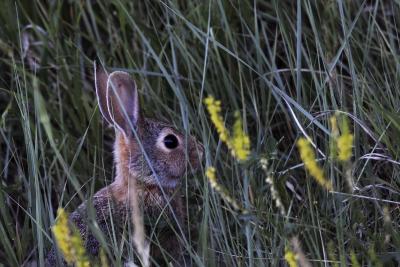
118 98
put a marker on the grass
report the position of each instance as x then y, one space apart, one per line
287 66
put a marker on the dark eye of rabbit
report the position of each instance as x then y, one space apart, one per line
170 141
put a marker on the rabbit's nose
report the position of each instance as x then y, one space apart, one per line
196 155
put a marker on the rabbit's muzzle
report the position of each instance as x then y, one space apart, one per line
196 152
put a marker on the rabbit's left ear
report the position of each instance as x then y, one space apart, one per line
118 99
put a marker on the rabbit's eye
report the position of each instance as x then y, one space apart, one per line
170 141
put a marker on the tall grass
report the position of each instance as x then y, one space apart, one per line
287 66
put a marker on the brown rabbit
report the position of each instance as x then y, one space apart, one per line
152 153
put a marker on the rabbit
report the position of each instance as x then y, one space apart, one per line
152 153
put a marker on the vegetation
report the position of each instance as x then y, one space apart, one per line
285 67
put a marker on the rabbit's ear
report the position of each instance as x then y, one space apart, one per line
100 79
118 98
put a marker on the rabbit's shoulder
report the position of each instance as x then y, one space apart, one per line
102 207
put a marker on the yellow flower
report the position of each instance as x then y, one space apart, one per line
308 157
345 145
214 108
62 234
342 143
103 259
334 126
239 143
210 173
69 241
290 257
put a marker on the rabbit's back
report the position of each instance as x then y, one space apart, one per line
109 216
110 209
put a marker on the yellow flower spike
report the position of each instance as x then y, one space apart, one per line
334 126
308 157
69 241
239 143
212 178
290 257
62 234
345 146
214 108
342 143
210 173
103 259
77 244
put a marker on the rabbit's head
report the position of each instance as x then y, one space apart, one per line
152 152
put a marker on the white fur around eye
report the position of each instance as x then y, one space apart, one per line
160 140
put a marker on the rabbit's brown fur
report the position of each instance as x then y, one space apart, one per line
140 153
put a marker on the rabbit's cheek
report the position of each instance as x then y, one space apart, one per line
177 167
